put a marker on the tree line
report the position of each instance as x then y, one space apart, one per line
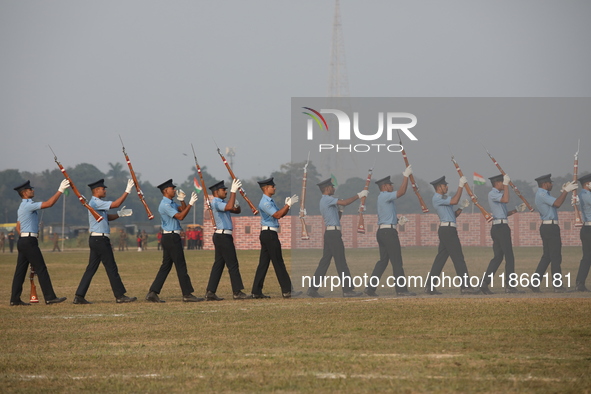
288 179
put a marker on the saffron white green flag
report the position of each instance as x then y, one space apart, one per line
197 186
478 179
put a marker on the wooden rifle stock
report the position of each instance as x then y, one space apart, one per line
527 204
205 195
411 178
255 211
486 215
578 219
361 221
33 299
81 198
140 194
305 235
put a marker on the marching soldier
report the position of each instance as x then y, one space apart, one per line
28 244
387 235
585 234
100 243
171 214
333 241
270 244
549 229
449 242
225 251
500 232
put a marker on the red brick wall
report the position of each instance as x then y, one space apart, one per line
421 230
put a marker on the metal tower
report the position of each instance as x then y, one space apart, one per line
338 82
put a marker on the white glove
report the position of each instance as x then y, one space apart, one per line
506 179
463 181
130 184
363 193
236 184
124 212
464 203
194 198
407 172
521 207
291 200
236 204
574 200
569 187
180 195
403 220
63 186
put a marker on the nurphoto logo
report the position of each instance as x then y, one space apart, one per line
392 120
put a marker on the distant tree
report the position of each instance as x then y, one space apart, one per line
116 171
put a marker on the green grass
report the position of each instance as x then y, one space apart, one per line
449 343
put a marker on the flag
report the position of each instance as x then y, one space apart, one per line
197 186
67 192
479 179
333 179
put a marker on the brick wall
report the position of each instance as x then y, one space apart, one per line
421 230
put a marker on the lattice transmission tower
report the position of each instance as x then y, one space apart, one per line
338 81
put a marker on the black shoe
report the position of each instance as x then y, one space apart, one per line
513 290
370 292
581 287
560 289
470 291
125 299
153 297
432 292
55 300
535 289
292 294
485 290
259 296
241 296
350 294
192 298
19 303
80 300
406 294
210 296
313 293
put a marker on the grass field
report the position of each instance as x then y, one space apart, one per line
498 343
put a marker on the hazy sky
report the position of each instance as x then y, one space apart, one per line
163 74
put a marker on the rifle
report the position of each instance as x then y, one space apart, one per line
205 195
305 235
487 215
255 211
140 194
33 299
361 225
411 178
527 204
578 219
81 198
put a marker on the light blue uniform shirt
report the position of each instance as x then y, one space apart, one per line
223 221
167 209
585 199
267 207
498 209
330 210
444 208
387 208
102 208
27 216
544 205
